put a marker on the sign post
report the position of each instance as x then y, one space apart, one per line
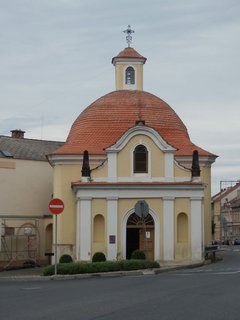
56 206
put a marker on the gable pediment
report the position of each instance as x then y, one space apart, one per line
141 130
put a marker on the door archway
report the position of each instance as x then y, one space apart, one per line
140 235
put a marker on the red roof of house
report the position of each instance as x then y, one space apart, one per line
102 123
223 193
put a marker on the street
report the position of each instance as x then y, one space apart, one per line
208 292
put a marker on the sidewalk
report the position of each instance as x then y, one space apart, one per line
20 273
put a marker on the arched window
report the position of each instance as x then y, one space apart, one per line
140 157
130 75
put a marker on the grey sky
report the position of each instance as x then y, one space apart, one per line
55 59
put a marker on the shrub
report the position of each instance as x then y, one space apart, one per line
96 267
138 255
138 264
98 257
65 258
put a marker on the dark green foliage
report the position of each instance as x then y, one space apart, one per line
65 258
138 255
97 267
98 257
138 264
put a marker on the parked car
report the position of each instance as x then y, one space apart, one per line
226 242
237 241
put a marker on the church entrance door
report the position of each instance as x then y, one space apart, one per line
140 235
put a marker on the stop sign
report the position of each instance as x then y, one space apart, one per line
56 206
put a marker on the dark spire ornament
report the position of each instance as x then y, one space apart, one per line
85 165
195 166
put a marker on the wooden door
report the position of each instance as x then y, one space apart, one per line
146 242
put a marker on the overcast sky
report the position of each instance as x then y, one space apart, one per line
55 59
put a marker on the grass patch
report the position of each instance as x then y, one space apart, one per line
97 267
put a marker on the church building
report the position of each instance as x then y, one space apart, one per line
131 178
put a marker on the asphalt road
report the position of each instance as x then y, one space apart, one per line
209 292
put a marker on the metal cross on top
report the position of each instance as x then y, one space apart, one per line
128 31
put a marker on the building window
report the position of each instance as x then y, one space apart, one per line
130 75
140 159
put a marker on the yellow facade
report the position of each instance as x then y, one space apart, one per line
64 175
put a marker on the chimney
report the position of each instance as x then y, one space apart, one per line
18 134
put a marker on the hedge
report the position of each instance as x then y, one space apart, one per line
96 267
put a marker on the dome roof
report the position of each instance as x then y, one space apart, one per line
102 123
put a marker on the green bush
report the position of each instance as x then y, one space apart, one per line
98 257
97 267
138 255
65 258
138 264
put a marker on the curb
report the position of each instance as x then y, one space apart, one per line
114 274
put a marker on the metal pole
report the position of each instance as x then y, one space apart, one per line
55 246
220 215
147 251
146 244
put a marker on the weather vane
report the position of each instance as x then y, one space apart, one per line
128 31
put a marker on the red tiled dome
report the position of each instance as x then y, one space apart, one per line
102 123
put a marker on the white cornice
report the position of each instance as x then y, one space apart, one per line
144 191
203 160
132 60
141 178
73 159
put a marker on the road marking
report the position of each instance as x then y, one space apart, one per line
207 272
228 272
32 288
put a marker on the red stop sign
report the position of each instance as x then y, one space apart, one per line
56 206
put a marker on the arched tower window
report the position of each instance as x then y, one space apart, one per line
140 157
130 75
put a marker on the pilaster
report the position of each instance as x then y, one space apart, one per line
83 240
112 227
196 228
168 228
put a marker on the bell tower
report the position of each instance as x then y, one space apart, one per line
129 66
